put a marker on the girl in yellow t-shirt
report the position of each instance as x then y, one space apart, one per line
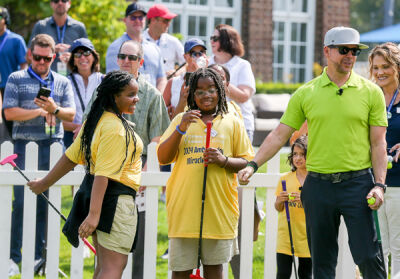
294 181
104 205
184 143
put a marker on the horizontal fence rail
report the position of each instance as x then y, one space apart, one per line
153 179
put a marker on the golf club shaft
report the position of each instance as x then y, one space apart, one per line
87 243
378 233
203 198
290 229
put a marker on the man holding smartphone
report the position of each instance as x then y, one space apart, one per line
37 100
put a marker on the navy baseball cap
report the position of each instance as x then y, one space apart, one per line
133 8
191 43
82 42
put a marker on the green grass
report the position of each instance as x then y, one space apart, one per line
162 237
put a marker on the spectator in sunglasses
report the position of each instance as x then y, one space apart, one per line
12 57
63 29
85 76
159 19
175 93
36 120
153 66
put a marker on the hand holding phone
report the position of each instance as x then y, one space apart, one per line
43 91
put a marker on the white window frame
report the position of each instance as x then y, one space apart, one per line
288 17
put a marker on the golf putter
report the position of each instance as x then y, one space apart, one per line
10 160
372 200
290 229
203 197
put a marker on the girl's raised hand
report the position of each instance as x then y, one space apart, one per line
188 118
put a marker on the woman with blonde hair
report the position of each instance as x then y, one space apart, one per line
384 67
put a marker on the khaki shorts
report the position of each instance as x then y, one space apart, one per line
122 234
183 252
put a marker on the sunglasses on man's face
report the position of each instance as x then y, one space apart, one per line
133 18
37 58
195 54
56 1
131 57
343 50
84 53
214 38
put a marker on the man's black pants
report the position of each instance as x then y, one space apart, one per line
324 202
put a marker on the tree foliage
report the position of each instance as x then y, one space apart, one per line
367 15
102 18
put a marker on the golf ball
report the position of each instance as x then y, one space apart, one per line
291 197
371 200
389 164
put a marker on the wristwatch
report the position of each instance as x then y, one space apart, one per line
56 111
383 186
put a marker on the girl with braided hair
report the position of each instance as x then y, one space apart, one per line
183 143
104 206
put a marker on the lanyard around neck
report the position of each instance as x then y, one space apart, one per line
4 40
60 37
41 81
393 99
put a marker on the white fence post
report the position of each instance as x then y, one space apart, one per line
5 216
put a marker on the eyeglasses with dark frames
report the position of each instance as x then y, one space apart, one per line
56 1
214 38
84 53
37 58
343 50
131 57
133 18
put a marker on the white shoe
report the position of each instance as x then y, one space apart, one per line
13 269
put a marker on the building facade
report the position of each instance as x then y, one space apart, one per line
282 38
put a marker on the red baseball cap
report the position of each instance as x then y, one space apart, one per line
159 10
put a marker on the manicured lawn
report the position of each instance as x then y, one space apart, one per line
162 238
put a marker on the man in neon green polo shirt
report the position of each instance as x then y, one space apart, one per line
346 118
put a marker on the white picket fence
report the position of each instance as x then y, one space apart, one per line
153 179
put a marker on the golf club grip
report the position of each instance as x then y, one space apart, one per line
209 125
90 246
286 203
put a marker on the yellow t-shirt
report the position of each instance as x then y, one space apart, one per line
297 221
185 185
108 152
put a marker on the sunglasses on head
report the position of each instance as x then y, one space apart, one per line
343 50
84 53
56 1
46 59
214 38
133 18
195 54
131 57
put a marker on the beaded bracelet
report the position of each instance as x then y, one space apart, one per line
253 165
226 162
179 130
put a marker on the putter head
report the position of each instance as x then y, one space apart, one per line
197 275
9 160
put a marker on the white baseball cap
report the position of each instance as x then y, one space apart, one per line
343 36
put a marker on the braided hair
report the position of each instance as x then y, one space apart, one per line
112 85
222 107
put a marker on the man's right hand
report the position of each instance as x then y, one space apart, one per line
245 174
62 48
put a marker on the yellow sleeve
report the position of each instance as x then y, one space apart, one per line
73 152
171 128
279 187
242 144
110 153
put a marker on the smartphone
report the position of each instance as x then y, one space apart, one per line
43 91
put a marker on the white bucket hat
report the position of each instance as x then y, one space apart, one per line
343 36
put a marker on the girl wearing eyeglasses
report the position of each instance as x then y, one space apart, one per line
84 64
183 143
384 68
